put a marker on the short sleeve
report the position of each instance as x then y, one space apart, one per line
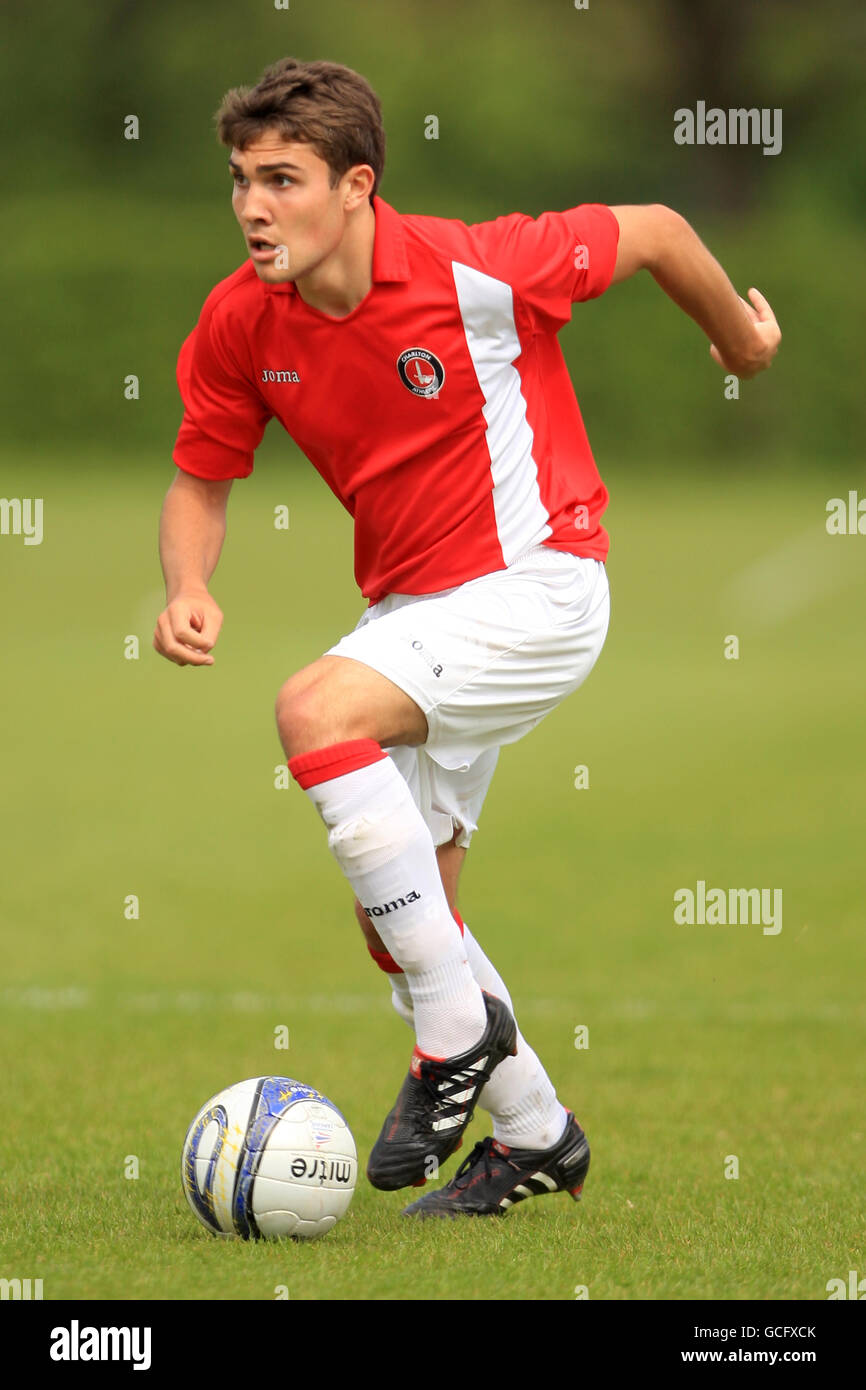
224 416
552 261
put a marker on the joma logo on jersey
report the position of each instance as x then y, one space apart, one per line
268 375
392 906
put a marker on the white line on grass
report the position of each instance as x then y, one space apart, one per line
626 1010
807 567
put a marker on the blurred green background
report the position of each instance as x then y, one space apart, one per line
113 244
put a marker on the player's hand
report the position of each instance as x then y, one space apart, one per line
765 339
187 629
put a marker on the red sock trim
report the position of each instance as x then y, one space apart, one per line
324 764
458 919
386 962
418 1057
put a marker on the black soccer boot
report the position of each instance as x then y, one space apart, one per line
436 1103
492 1178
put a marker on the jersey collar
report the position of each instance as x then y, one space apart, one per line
390 261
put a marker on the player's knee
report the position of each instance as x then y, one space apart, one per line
292 719
307 719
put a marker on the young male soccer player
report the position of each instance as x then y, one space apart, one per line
414 361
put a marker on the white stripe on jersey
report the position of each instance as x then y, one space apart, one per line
487 311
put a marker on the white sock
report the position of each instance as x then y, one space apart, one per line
520 1097
401 999
381 842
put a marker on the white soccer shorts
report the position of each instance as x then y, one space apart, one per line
485 661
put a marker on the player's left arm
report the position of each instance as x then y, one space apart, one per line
743 337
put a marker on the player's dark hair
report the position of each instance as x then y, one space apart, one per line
324 105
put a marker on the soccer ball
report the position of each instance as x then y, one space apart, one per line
269 1157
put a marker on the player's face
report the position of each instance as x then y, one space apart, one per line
291 217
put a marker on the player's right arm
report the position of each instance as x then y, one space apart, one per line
223 422
192 529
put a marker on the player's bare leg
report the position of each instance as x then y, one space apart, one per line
335 699
333 718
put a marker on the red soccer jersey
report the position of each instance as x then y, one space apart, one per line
440 411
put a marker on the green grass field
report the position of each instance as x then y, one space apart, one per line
130 777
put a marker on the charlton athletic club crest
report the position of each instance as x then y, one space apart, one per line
421 372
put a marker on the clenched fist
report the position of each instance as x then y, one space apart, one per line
187 629
766 337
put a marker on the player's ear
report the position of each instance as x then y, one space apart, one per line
361 180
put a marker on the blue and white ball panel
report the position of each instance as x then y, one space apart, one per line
307 1173
269 1156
